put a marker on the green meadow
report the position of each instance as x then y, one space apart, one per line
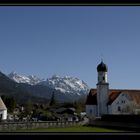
73 129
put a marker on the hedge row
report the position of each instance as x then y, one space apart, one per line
121 118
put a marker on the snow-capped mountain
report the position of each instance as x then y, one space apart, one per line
66 88
31 79
67 85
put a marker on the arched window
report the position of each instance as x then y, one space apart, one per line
90 111
119 108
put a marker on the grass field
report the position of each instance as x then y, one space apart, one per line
72 129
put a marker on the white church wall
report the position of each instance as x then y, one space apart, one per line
91 111
109 109
102 97
119 104
132 107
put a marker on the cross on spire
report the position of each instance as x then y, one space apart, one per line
101 57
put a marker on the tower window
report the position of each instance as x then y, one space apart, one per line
103 78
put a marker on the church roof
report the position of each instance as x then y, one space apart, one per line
135 96
91 97
2 105
113 94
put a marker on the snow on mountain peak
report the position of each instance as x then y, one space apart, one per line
67 84
31 79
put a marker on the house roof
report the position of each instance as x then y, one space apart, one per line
64 109
2 105
113 94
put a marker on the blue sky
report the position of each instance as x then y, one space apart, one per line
70 40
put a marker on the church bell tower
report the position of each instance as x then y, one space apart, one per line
102 89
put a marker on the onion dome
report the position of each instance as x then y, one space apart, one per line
102 67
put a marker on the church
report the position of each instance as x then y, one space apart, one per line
103 101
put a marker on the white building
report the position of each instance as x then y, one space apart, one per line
3 110
102 100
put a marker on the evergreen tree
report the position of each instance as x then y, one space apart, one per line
78 106
28 107
53 100
10 102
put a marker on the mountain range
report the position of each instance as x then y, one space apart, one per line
31 79
23 87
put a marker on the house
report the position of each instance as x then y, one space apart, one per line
102 100
3 110
65 110
65 114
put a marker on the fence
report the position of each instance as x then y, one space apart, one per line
116 125
13 126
